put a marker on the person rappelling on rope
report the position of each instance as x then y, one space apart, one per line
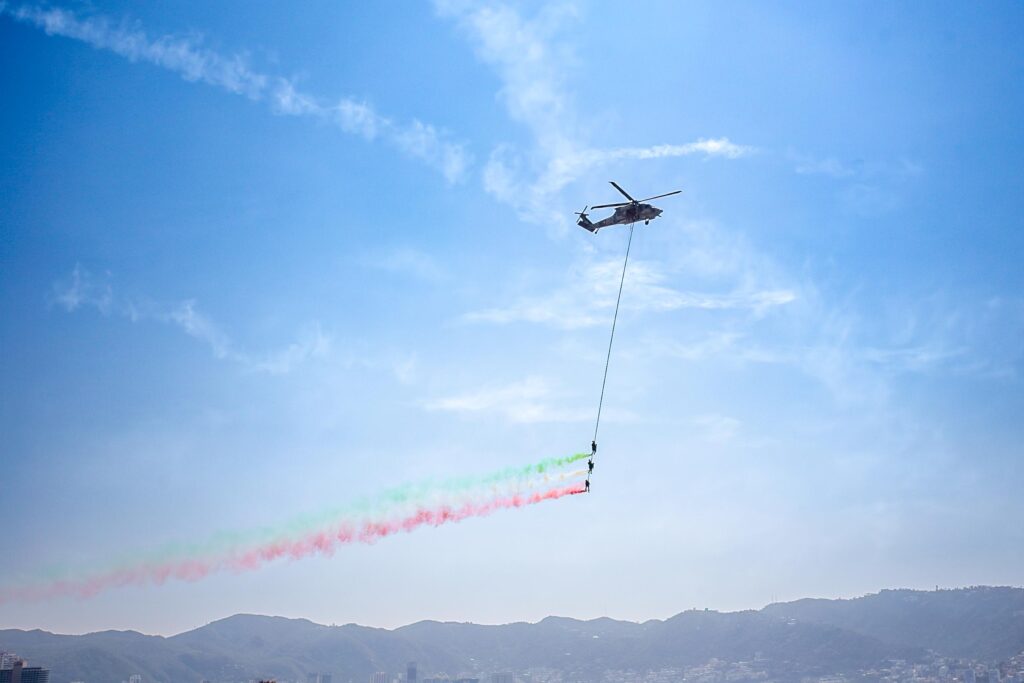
593 449
586 486
590 467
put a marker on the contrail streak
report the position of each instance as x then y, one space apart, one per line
321 542
420 494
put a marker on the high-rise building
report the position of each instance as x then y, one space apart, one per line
19 673
410 672
318 678
380 677
135 678
503 677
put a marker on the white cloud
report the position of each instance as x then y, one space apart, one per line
405 369
198 326
721 147
857 360
588 298
717 428
912 359
829 166
181 55
187 57
526 401
312 343
82 290
423 141
409 261
529 57
711 345
900 169
526 58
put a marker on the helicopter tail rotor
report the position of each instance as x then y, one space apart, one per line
584 222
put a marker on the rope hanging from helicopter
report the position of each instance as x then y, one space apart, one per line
629 212
608 358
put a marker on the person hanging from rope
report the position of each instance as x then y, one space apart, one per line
593 448
590 466
586 486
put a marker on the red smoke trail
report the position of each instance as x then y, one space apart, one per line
323 542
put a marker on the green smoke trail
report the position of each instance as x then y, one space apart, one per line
224 542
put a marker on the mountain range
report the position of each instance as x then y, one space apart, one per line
791 640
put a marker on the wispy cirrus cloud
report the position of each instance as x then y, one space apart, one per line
717 428
869 188
829 166
531 400
859 361
511 179
83 290
529 57
409 261
186 56
588 296
721 147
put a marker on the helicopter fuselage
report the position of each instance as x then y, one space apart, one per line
635 212
631 213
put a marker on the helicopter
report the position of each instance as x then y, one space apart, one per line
625 213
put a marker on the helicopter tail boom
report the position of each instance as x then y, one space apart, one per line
585 223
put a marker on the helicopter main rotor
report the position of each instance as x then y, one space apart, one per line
631 201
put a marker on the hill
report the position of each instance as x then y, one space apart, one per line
980 622
788 640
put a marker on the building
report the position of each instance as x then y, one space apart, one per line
318 678
380 677
410 672
19 673
505 677
135 678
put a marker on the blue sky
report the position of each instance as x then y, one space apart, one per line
257 262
